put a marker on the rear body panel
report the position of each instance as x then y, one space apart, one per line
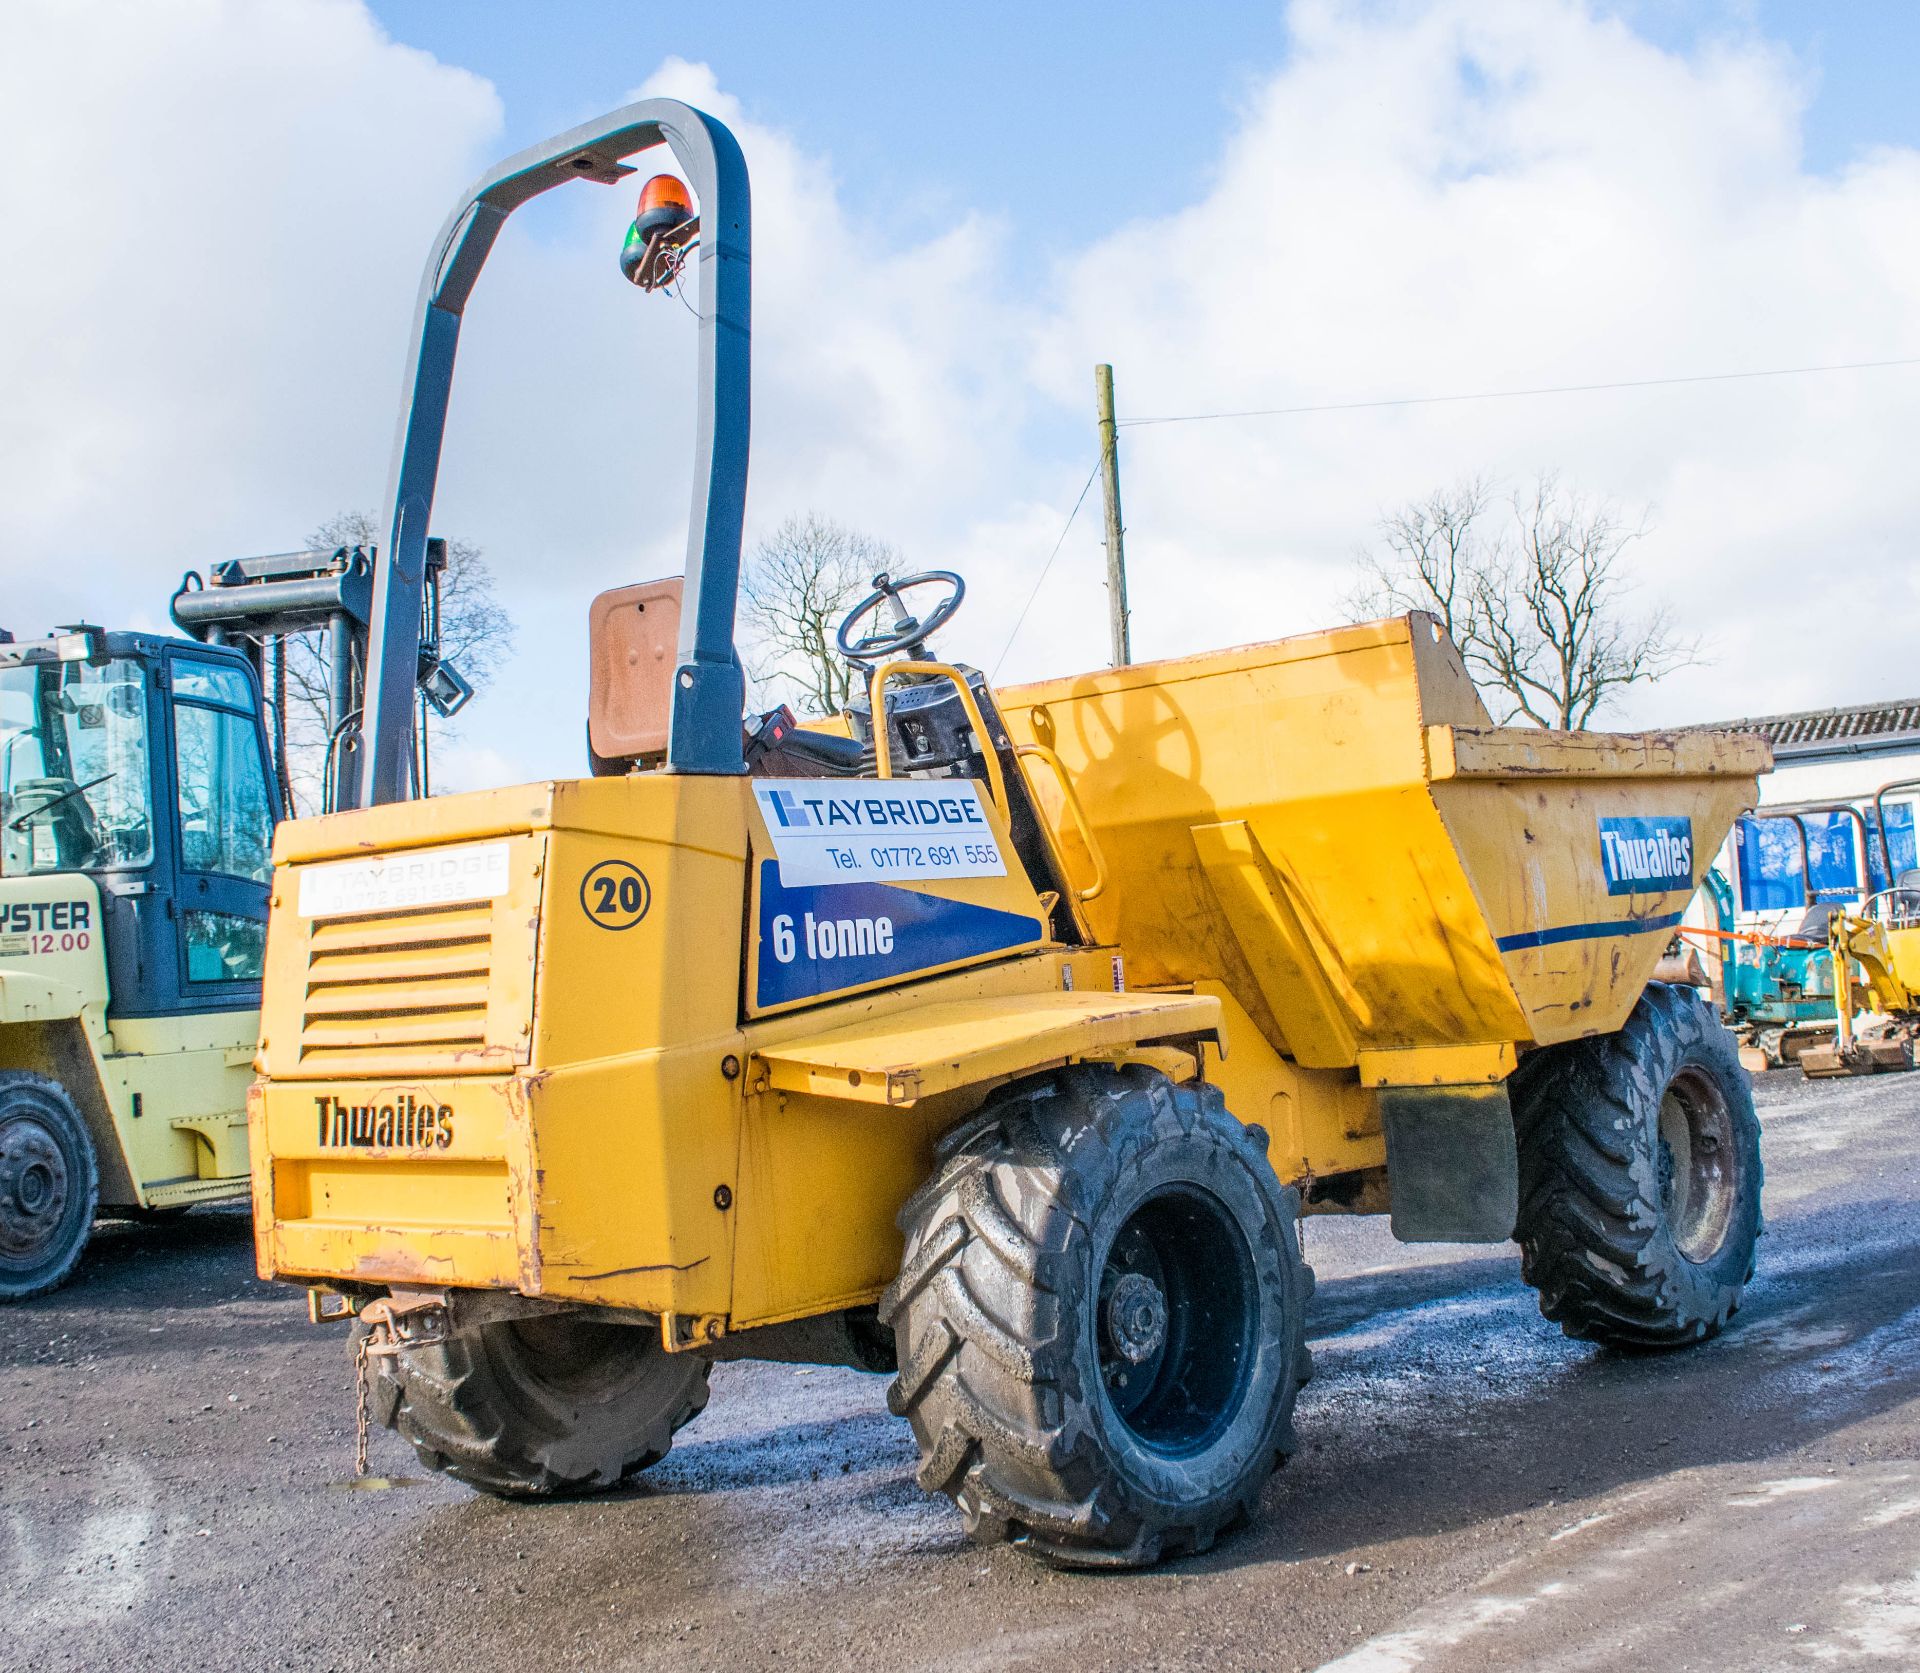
485 1066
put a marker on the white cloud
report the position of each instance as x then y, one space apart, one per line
1468 197
215 213
227 205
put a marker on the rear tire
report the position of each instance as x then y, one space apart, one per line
534 1407
1099 1319
1639 1176
49 1185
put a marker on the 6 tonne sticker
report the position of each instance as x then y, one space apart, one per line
1647 856
834 831
823 940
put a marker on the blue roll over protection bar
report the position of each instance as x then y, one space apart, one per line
709 691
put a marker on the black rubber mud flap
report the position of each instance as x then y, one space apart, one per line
1452 1165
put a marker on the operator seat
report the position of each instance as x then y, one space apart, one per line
1906 898
633 643
59 807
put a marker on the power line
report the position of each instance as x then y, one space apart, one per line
1022 618
1516 394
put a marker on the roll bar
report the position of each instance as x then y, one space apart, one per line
709 691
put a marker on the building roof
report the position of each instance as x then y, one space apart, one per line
1833 734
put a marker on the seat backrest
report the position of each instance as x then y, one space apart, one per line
633 641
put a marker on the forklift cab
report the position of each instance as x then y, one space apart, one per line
142 762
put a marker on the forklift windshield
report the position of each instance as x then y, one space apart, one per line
75 790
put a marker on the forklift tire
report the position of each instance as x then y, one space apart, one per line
49 1185
1099 1319
531 1408
1639 1176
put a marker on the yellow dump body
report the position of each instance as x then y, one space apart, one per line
1332 828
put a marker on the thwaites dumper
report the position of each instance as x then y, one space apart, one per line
994 1040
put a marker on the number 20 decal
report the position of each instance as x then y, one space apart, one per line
615 895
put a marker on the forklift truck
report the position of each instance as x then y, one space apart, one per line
138 796
140 780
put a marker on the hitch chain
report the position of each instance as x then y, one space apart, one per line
390 1330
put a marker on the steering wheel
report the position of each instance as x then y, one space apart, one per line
908 633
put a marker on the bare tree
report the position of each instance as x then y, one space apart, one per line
794 590
476 634
1537 604
1435 549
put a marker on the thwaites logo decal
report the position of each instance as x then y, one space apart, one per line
1647 856
394 1123
836 830
823 940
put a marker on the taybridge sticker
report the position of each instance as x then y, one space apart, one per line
616 895
400 882
1647 856
836 830
823 940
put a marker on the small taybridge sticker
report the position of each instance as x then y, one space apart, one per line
616 895
1647 856
836 830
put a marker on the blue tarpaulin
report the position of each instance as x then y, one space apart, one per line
1771 878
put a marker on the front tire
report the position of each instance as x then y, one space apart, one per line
531 1408
49 1185
1639 1176
1100 1319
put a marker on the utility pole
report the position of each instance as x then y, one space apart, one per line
1116 533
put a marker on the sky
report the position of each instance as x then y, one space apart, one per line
216 233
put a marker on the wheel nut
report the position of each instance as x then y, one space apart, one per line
1136 1317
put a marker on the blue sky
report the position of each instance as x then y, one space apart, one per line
957 212
1063 116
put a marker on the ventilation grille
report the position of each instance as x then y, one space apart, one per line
402 990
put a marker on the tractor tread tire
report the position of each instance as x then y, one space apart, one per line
1594 1240
464 1406
48 1102
984 1318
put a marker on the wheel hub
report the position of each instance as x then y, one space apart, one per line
1695 1165
33 1187
1136 1317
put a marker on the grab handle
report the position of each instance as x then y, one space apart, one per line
1075 812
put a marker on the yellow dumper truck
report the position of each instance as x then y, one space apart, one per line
995 1040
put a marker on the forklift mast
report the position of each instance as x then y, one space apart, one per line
709 690
256 604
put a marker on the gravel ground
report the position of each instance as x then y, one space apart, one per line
1475 1490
